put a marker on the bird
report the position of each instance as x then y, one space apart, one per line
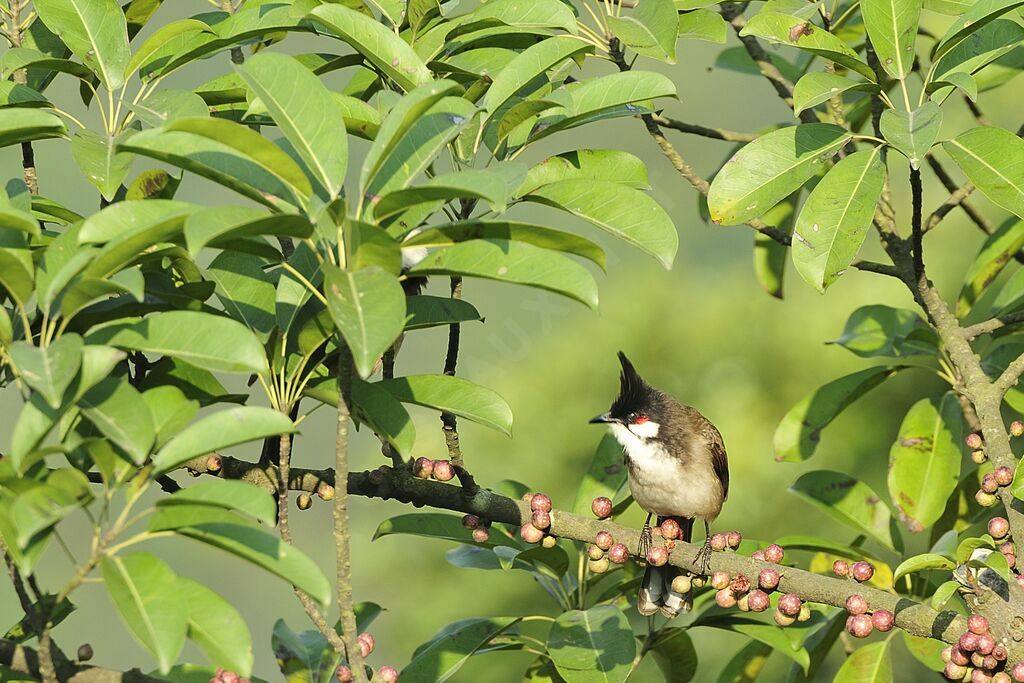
677 468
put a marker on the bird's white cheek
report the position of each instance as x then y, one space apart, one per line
623 435
646 430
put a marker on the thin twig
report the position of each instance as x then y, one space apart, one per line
704 131
993 324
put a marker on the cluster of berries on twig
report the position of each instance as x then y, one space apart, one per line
979 657
385 674
440 470
1001 476
537 529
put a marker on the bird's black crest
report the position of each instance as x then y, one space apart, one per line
634 392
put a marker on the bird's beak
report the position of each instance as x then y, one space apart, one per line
602 418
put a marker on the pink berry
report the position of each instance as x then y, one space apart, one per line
998 527
618 553
977 624
947 653
789 604
757 555
1019 578
603 540
1001 677
720 580
423 468
999 652
1011 560
954 672
758 601
540 502
470 521
989 663
985 644
981 676
1017 672
768 579
740 585
973 441
443 470
601 507
725 598
1003 475
883 620
343 674
530 533
840 568
862 571
1017 428
968 642
387 674
1007 549
989 483
366 644
670 529
657 556
774 553
959 657
541 519
856 604
859 626
719 542
734 538
481 535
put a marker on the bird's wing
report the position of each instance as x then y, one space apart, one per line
719 458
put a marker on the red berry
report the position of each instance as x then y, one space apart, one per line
1001 677
859 626
423 468
1007 549
541 519
734 538
601 507
985 644
1004 475
1011 560
977 624
973 441
670 529
1017 428
603 540
968 642
862 571
856 604
757 555
387 674
719 542
540 502
1017 672
618 553
998 527
740 585
774 553
883 620
758 601
981 676
343 674
999 652
366 644
959 657
954 672
657 556
725 598
768 579
481 535
470 521
840 568
989 663
531 534
443 470
594 552
789 604
720 580
989 483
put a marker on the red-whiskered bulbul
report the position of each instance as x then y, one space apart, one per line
677 468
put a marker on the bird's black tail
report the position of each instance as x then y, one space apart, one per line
656 592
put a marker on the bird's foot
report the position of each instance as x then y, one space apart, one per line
703 557
646 541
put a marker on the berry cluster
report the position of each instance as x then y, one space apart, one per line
773 553
978 650
536 530
479 527
385 674
858 571
604 551
999 530
441 470
225 676
861 622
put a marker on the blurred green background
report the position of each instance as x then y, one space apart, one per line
703 331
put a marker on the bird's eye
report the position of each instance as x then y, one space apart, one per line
639 419
631 417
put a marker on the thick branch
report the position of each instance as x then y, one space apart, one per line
25 660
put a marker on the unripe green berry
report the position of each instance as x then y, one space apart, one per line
594 552
1017 428
598 566
682 584
985 500
304 501
549 542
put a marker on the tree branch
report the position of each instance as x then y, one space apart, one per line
449 423
24 660
704 131
993 324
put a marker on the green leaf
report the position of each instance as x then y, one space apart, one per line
305 112
95 30
157 42
267 551
924 461
145 591
471 183
769 256
892 27
592 645
529 64
878 330
984 154
835 219
170 409
49 370
38 506
216 627
959 80
675 655
246 291
703 24
587 164
431 311
998 250
606 476
22 632
18 58
438 525
982 47
817 87
220 226
380 46
25 125
440 658
516 262
304 657
207 341
629 214
384 413
453 395
98 161
229 494
538 14
800 430
912 133
116 408
167 105
221 430
368 308
868 664
771 168
129 228
746 665
977 16
786 641
650 29
928 651
849 502
920 563
796 32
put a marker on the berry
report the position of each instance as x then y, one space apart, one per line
774 553
740 585
757 555
725 598
862 571
968 642
343 674
985 500
743 604
1003 475
530 533
720 580
598 566
682 584
541 519
1007 549
758 600
783 619
768 579
549 542
959 657
989 483
999 652
954 672
989 663
805 613
1001 677
883 620
840 568
856 604
326 491
719 542
670 529
657 556
1017 672
387 674
540 502
594 552
443 470
526 498
423 468
214 463
85 652
789 604
981 676
481 535
985 644
601 507
470 521
979 457
978 659
618 553
1011 560
973 441
947 653
1017 428
304 501
603 540
859 626
366 644
734 538
998 527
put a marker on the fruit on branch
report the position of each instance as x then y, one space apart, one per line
1017 672
840 568
719 542
954 672
757 555
725 598
657 556
670 529
734 538
1003 475
619 553
598 566
423 468
443 470
541 519
979 457
85 652
740 585
680 584
603 540
883 620
366 643
768 579
783 619
304 501
601 507
774 553
998 527
989 483
376 476
968 642
973 441
595 552
470 521
387 674
225 676
531 534
343 674
540 503
789 604
856 604
481 535
985 499
859 626
985 644
805 613
720 580
214 464
758 600
862 571
743 603
326 491
1017 428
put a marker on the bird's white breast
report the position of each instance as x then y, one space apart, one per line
666 485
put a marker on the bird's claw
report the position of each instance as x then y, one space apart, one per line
702 559
646 540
